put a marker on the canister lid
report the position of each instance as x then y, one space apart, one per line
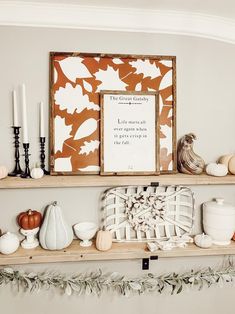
219 203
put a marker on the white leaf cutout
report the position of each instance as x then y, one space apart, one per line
71 98
117 61
146 68
110 79
167 140
89 147
167 63
90 168
138 87
62 133
73 68
63 164
87 86
170 98
166 81
55 75
86 128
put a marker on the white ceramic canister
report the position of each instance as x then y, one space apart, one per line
219 221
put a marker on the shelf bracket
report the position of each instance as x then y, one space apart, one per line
145 262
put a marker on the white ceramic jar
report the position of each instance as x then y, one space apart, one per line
219 221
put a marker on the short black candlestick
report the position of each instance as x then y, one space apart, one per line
26 173
42 154
17 171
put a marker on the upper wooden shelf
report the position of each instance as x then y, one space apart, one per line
119 251
96 180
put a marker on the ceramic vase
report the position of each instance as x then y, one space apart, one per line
219 221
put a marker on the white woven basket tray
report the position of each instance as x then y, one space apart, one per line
143 213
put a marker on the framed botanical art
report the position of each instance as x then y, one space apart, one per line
76 82
129 133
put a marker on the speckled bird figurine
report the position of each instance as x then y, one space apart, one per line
189 162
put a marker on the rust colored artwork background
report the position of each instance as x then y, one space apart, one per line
76 81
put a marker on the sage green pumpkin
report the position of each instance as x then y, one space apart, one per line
55 233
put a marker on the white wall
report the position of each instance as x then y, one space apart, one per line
205 105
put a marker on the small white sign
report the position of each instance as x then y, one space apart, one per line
129 127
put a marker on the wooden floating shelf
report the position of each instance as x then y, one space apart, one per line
119 251
96 180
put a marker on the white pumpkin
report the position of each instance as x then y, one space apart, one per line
36 172
217 170
55 233
9 243
3 172
203 240
225 159
229 161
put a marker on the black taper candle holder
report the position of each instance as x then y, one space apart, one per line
26 173
17 171
42 154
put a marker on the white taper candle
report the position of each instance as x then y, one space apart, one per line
24 116
42 124
15 109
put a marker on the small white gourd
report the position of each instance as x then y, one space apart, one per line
203 240
36 172
217 170
55 233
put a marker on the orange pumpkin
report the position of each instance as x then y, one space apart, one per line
29 220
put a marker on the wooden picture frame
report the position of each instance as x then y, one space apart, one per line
76 80
129 133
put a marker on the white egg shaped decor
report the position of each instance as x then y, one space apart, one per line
203 240
36 172
3 172
217 170
9 243
55 233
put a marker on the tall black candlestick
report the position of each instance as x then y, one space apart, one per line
26 173
17 171
42 154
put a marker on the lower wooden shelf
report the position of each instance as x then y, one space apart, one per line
119 251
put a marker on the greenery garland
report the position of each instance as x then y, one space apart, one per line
96 282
